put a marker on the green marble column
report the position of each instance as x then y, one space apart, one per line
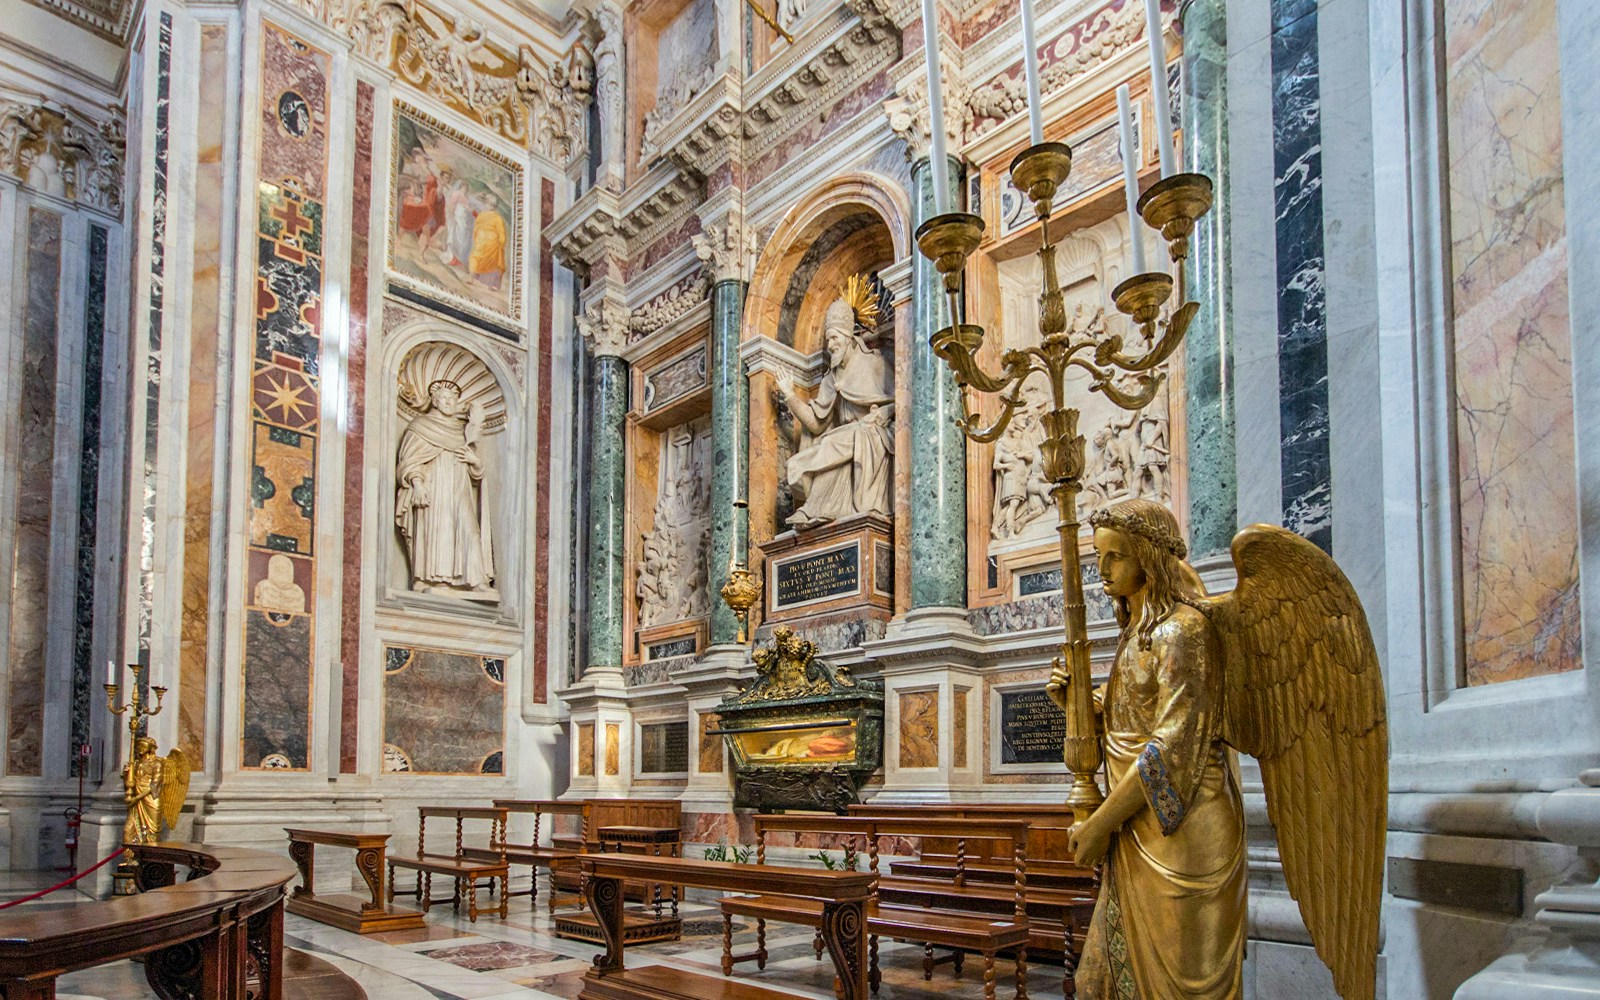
730 442
608 394
1208 348
938 448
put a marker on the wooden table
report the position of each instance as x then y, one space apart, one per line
347 910
844 929
655 841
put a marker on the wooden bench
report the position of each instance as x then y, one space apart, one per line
347 911
456 865
1060 895
840 898
944 926
534 854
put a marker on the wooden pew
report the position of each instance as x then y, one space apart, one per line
598 813
456 864
345 910
534 854
945 923
840 898
1060 895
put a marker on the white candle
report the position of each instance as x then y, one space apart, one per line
111 672
1158 86
1030 63
1130 177
940 162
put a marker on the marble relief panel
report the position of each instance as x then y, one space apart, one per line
1512 340
36 446
673 584
285 399
443 712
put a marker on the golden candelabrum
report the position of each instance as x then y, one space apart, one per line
1130 380
740 594
137 707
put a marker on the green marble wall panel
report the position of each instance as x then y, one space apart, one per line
608 395
730 441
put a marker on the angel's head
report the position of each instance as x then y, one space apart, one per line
1141 562
143 746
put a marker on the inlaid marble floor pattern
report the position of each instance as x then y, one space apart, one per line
520 958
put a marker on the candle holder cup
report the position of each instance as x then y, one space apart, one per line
948 240
1039 172
1173 205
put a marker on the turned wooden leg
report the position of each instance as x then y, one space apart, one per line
761 944
1022 972
425 889
988 975
505 894
391 883
874 974
958 960
927 961
472 898
816 944
727 944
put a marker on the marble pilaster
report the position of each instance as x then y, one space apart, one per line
607 478
730 432
938 448
1208 348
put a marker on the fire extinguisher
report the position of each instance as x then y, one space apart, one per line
74 815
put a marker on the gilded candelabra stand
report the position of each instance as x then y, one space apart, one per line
1172 205
740 594
137 707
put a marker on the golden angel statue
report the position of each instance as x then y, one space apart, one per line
154 788
1283 668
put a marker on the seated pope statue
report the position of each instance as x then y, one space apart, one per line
842 464
439 507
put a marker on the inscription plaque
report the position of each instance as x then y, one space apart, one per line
684 646
1045 581
1031 728
664 748
817 576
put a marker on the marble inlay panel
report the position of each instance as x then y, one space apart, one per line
1512 340
1306 461
443 712
710 746
355 427
919 729
541 520
203 376
958 729
285 400
36 446
613 748
94 332
152 356
586 749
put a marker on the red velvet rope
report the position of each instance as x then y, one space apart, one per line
63 884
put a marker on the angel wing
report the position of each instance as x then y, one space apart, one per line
174 785
1304 695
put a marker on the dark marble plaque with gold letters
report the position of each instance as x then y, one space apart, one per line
664 748
817 576
1031 728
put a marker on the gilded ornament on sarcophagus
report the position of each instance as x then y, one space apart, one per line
803 735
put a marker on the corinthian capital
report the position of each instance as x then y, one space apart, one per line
605 326
727 249
909 114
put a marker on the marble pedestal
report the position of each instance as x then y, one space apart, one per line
842 566
1564 963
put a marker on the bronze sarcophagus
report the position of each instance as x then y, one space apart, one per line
804 735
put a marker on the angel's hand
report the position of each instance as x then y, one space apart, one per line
1056 687
1089 841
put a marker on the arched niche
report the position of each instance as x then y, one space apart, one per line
856 224
416 356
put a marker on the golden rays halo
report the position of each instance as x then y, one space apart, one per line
862 299
437 360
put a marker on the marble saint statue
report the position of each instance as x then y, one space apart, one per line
440 506
278 591
843 463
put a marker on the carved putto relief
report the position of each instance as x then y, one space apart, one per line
443 492
672 583
842 464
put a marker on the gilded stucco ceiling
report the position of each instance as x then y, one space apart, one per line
106 18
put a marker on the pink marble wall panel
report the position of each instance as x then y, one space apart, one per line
355 428
867 96
36 447
1512 339
541 528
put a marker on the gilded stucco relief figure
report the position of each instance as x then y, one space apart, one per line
842 465
1283 668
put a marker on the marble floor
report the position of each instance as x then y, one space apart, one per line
520 958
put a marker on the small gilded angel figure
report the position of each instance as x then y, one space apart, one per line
1283 668
154 789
